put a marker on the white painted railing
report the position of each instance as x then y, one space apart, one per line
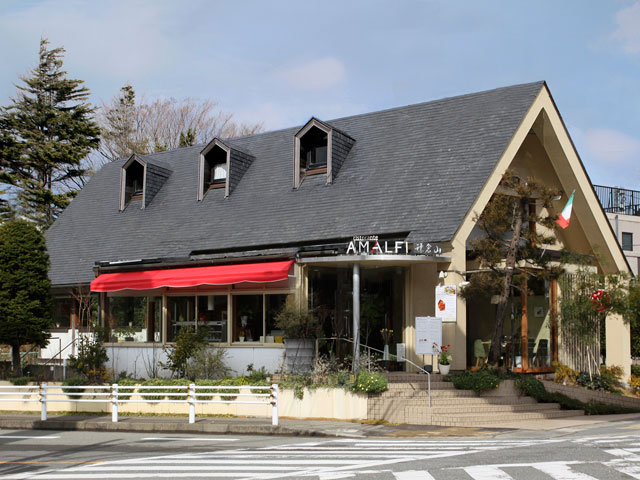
117 394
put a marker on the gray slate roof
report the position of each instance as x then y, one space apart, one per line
414 169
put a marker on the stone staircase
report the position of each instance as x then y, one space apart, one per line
406 401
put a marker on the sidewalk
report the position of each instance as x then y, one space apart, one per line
242 426
292 427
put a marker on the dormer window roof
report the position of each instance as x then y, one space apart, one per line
221 167
140 180
319 148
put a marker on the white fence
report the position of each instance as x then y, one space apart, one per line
118 394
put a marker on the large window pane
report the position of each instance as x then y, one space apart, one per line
248 316
539 323
127 318
181 312
273 306
212 314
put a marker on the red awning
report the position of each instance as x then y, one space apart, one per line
191 277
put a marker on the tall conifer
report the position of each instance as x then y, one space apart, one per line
48 130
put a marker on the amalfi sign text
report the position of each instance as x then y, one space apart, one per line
372 245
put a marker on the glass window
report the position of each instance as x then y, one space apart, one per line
219 173
212 314
248 321
539 323
627 241
313 149
181 312
128 319
274 304
62 312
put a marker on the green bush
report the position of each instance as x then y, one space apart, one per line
188 344
162 392
534 388
370 382
127 382
479 381
18 381
74 393
635 370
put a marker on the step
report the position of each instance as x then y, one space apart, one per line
472 419
462 404
489 408
420 386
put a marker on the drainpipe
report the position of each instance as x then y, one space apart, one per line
356 318
617 235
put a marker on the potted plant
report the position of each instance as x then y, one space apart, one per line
444 358
387 336
300 327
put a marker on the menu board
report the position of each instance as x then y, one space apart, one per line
446 302
428 332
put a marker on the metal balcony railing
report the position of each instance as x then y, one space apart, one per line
618 200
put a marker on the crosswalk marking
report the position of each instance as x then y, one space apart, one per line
326 460
350 458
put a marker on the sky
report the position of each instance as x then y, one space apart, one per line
281 62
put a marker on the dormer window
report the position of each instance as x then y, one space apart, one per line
214 168
313 149
141 179
313 146
132 182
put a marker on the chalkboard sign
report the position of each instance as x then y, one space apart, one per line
428 332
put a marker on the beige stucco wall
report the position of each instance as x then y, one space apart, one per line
320 403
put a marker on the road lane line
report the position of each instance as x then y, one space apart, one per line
191 439
413 475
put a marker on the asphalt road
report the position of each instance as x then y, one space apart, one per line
609 452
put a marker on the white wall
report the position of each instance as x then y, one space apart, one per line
139 360
631 224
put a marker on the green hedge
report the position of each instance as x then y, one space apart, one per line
534 388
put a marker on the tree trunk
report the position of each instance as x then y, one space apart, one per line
15 360
510 263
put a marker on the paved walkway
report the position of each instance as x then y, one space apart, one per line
260 426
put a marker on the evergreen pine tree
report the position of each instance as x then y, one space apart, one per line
25 288
50 128
511 248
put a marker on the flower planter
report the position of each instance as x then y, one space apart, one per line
444 369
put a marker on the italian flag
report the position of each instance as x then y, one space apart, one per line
565 216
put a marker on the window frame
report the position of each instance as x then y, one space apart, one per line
123 182
298 172
624 244
202 188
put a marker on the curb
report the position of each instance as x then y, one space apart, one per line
164 427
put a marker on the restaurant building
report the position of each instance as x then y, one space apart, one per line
371 212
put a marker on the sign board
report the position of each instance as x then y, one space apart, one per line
401 352
446 302
373 245
428 332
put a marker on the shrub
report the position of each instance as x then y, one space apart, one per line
20 380
298 322
608 379
162 392
127 382
188 343
207 364
635 370
91 356
534 388
564 374
479 381
74 393
370 382
634 384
